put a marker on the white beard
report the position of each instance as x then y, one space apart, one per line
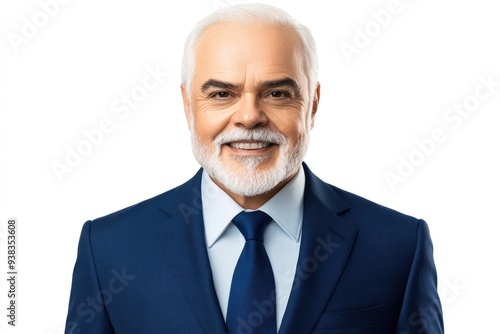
251 181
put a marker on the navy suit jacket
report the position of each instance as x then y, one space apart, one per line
362 268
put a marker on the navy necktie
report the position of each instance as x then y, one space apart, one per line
252 299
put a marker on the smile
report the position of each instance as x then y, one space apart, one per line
249 145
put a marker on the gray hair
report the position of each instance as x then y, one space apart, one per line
251 14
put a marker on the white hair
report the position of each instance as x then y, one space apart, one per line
251 14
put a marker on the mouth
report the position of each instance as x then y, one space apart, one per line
255 142
248 145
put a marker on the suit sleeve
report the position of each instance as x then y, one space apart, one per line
87 311
421 310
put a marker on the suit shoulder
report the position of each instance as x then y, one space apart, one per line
367 210
348 204
378 225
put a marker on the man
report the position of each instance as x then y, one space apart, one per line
322 261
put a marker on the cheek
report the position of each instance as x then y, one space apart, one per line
208 124
291 124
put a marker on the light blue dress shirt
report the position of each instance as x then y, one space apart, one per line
281 238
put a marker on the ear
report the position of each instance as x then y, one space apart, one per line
315 103
187 104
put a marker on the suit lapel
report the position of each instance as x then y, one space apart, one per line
327 241
183 239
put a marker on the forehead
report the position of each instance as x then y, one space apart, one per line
232 52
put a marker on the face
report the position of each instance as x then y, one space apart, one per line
249 108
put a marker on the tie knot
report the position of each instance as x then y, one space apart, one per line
252 224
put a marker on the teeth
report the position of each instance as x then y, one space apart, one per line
249 146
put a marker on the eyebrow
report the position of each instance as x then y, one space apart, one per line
213 83
280 83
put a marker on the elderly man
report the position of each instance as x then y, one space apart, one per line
254 242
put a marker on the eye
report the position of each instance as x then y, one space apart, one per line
220 95
278 94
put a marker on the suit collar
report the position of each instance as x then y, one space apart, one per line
327 240
324 193
183 239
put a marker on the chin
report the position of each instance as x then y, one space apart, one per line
250 175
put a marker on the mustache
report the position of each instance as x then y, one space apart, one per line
260 134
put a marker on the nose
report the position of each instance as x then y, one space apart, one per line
249 113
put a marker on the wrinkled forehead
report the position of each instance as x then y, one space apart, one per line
265 49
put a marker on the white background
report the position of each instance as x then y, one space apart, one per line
64 79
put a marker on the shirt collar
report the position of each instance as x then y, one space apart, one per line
219 209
